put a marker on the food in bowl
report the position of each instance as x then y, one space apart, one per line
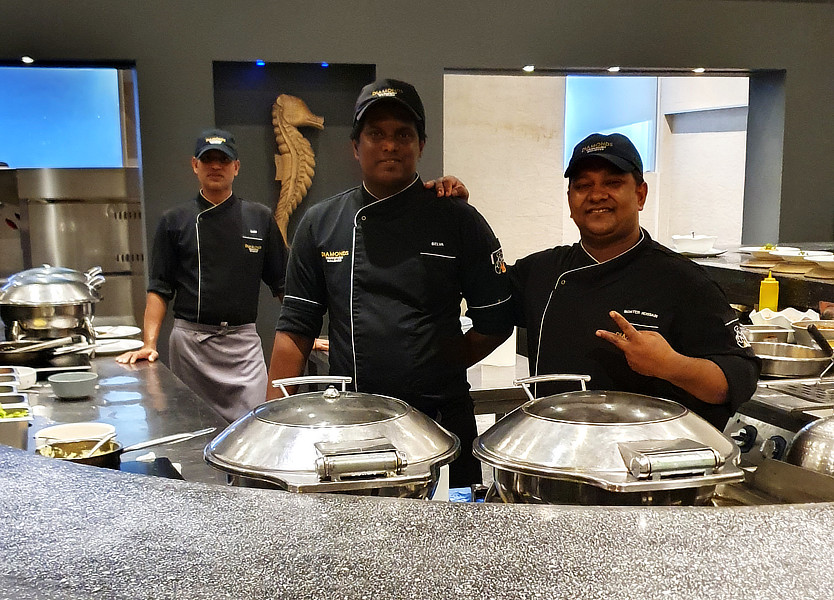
804 338
91 430
765 250
76 450
694 243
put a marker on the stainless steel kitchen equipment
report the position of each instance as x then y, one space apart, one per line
75 218
790 360
813 447
334 441
609 448
49 302
764 426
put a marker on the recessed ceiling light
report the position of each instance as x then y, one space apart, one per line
699 70
260 63
324 65
613 69
528 68
28 60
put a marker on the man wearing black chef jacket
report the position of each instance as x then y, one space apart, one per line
674 334
389 261
209 256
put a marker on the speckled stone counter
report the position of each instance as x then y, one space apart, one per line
74 532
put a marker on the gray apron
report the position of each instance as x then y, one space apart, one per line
224 365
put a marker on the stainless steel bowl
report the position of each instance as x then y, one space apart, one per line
790 360
802 337
602 447
335 441
813 447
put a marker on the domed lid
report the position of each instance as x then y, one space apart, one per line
47 289
615 440
333 440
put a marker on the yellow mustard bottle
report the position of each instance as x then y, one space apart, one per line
769 293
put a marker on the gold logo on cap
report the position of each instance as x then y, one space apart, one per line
386 93
598 147
215 140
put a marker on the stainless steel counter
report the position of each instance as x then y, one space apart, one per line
143 401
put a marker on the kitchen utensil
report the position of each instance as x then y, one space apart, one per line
14 430
765 333
605 447
764 251
83 430
76 451
801 335
26 376
21 353
334 441
100 443
813 447
790 360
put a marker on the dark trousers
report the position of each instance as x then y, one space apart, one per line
458 416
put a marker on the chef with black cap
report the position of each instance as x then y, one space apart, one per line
390 261
674 334
209 256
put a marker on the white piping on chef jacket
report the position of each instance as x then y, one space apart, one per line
558 279
199 255
353 266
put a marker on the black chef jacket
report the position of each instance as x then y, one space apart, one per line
391 273
212 258
563 295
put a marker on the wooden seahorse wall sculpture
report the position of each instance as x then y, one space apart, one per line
295 161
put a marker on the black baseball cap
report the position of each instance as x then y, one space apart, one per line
615 148
390 89
216 139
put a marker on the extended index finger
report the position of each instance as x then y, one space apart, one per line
626 327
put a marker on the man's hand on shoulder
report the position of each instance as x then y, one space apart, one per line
448 186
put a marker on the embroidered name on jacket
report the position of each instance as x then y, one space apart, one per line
335 256
252 248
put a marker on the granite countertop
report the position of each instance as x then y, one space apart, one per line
74 532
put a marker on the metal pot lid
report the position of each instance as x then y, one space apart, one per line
813 446
57 273
38 289
615 440
333 440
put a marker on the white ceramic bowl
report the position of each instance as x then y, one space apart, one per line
696 244
73 431
764 251
73 384
798 256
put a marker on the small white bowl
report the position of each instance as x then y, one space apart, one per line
73 384
73 431
696 244
798 256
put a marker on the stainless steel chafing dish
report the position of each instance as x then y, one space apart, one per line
609 448
334 441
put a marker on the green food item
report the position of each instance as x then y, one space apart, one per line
13 414
769 246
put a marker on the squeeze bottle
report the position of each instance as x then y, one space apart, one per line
769 293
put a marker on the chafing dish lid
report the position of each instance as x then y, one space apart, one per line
606 438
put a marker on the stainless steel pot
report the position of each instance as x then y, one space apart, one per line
790 360
49 298
334 441
610 448
813 447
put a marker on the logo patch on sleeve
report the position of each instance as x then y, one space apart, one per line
498 261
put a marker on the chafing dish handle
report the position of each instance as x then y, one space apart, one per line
526 381
309 379
336 467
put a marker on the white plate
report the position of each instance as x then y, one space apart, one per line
713 252
762 252
117 346
116 331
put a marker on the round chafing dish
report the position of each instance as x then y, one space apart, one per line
334 441
48 299
605 448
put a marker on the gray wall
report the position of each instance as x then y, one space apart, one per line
174 45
